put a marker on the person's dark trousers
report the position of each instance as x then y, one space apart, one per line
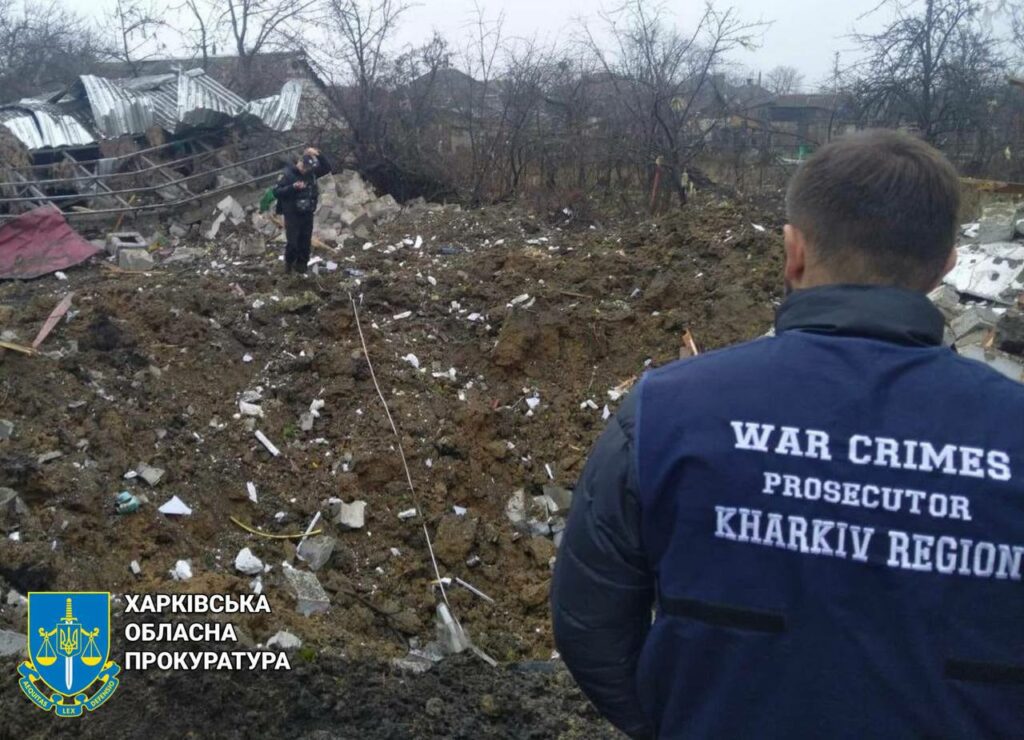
298 230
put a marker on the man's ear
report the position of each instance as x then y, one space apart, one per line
796 256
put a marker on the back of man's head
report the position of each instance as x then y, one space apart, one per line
877 207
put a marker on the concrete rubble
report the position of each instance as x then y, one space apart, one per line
310 597
983 296
283 640
13 644
316 551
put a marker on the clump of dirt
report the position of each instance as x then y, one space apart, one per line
492 312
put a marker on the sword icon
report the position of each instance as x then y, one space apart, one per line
67 635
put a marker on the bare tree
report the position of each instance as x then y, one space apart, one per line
662 80
784 80
132 24
42 44
246 27
361 29
927 68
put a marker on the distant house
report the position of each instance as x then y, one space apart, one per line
799 123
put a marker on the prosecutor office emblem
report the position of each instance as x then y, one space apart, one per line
69 650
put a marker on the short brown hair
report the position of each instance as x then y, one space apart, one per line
877 207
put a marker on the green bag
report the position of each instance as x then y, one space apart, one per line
267 200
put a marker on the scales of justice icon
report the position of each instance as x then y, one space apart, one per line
73 641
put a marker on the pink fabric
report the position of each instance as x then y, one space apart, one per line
40 242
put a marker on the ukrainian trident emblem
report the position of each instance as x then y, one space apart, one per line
69 643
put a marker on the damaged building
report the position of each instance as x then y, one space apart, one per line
105 146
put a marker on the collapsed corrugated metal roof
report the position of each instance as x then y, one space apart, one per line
279 112
175 102
41 126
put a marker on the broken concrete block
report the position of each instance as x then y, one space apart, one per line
306 421
1010 333
383 209
309 594
13 643
352 516
515 508
254 247
135 259
12 508
149 474
559 499
1010 366
177 230
246 562
316 551
284 641
972 321
998 223
124 240
946 299
183 255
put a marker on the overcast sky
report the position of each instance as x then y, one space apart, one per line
804 33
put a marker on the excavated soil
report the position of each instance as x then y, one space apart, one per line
150 367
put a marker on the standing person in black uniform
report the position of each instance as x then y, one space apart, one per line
297 194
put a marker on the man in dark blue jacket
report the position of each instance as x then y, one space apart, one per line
297 196
828 524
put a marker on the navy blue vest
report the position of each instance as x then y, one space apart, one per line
836 524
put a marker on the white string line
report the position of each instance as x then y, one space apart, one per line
405 464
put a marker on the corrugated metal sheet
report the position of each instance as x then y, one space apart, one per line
117 111
41 126
279 112
202 101
175 102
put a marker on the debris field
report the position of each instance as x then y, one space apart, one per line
194 400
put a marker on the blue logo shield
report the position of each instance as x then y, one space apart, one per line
69 646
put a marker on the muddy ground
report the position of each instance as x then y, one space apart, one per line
150 368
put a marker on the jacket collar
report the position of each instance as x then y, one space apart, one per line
868 311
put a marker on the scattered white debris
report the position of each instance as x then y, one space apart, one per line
547 467
460 510
284 641
589 404
403 315
519 299
175 507
419 242
407 514
250 409
758 227
316 406
251 488
136 568
267 443
14 536
606 414
247 357
182 570
432 280
60 276
533 402
246 562
615 394
412 360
